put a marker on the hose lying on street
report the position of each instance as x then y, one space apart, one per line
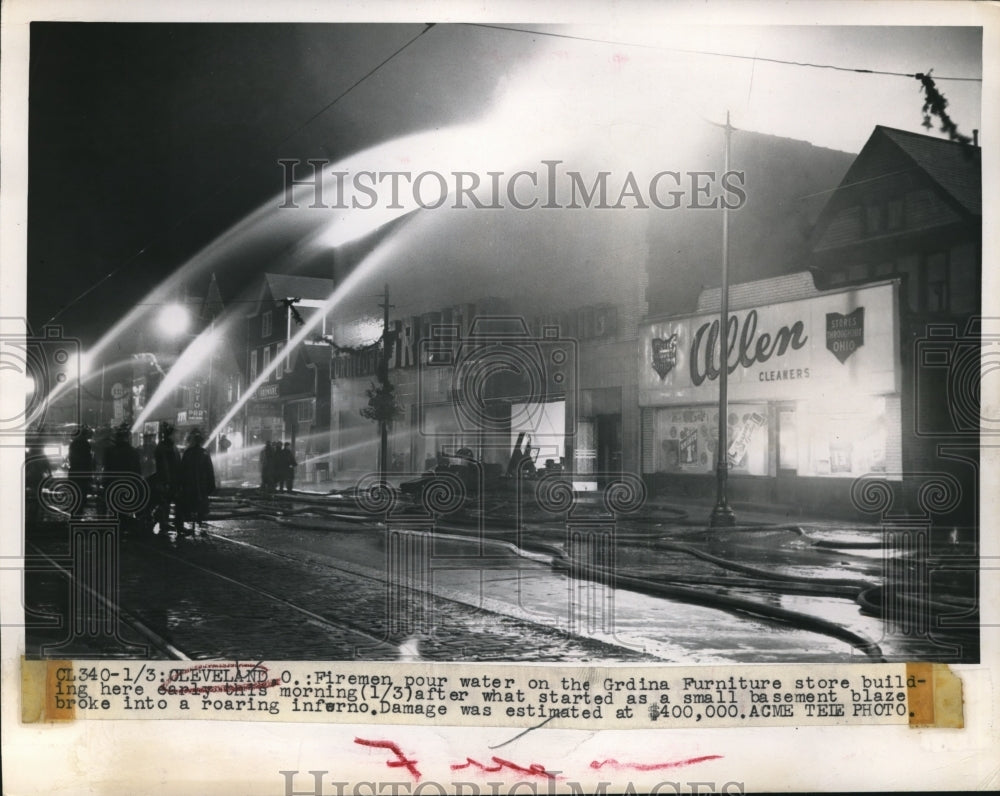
868 595
738 605
837 583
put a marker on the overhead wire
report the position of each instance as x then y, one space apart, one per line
664 48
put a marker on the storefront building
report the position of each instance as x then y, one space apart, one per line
814 393
469 377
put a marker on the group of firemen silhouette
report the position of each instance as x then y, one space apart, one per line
180 483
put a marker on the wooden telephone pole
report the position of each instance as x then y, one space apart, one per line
383 377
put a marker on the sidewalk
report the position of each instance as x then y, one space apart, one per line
691 509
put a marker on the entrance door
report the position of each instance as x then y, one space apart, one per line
609 443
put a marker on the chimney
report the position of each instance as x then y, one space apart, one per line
975 138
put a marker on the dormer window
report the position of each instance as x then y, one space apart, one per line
266 324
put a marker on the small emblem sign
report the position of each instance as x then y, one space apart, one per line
845 334
664 354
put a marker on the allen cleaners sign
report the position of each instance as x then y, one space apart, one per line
833 345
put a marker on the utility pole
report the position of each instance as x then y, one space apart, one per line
100 415
383 377
210 396
722 515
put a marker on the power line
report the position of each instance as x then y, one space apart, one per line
240 175
357 83
553 34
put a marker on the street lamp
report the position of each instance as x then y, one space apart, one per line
174 320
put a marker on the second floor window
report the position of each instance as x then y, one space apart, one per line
267 359
266 324
306 411
253 366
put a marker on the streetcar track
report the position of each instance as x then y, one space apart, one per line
382 581
158 641
172 651
312 615
358 570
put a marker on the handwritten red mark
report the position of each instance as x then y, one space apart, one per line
535 769
401 761
233 679
598 764
619 59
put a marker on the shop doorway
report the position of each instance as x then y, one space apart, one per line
609 443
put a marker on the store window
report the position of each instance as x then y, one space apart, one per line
443 433
688 437
788 440
848 440
545 424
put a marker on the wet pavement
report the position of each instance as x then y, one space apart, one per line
208 597
313 577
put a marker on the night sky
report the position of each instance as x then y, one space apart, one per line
146 141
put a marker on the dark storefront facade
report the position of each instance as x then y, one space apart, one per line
475 377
